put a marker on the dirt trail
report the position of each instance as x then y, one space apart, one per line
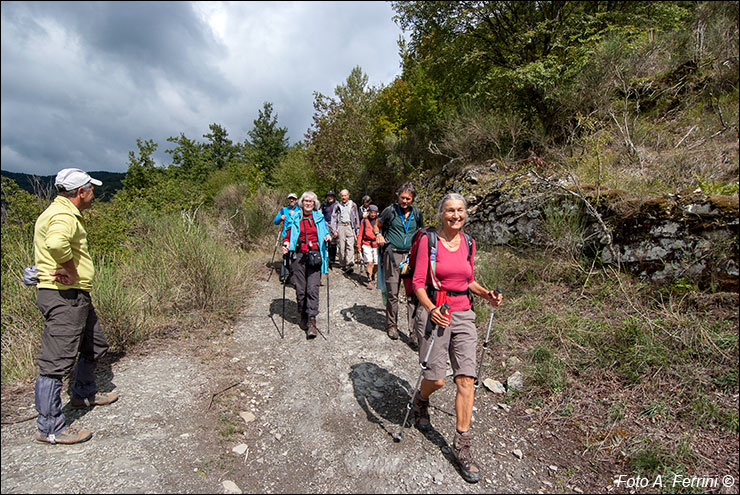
323 413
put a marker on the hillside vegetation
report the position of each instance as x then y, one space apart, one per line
636 96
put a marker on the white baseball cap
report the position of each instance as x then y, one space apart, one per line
71 178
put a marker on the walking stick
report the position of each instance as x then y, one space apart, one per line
328 327
445 308
485 344
272 260
285 281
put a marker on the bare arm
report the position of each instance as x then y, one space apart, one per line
435 312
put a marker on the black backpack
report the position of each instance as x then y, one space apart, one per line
392 216
407 265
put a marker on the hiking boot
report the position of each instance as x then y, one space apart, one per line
393 332
99 399
461 448
312 331
303 324
421 413
68 436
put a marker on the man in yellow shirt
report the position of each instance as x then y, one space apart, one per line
65 272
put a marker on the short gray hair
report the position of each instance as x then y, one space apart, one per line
72 192
451 197
309 195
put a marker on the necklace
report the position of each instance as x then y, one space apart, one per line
452 242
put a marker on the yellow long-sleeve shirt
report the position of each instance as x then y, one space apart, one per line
58 237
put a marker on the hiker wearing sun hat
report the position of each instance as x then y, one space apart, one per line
65 273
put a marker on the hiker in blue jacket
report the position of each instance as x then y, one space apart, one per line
307 236
281 216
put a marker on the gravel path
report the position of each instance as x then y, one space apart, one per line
312 417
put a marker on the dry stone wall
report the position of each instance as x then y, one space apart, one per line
689 235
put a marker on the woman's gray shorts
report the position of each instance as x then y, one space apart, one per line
459 341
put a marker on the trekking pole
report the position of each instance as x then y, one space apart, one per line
272 260
444 309
285 281
328 327
485 344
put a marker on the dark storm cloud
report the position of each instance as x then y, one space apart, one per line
84 103
81 81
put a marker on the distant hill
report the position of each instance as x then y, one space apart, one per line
112 182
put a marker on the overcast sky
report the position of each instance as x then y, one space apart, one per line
82 80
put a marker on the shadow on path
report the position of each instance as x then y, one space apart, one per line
365 315
385 397
104 380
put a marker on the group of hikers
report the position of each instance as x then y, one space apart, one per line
435 269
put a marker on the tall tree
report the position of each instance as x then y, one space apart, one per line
268 141
188 155
339 137
516 56
219 148
141 169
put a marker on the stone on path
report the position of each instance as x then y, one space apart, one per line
247 416
515 382
240 449
494 386
230 487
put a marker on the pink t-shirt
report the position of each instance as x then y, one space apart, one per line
453 270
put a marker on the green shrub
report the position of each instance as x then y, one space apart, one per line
22 323
192 268
258 213
125 321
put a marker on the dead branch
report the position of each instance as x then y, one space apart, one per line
434 149
214 394
591 209
683 138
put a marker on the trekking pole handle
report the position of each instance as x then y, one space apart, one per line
495 291
443 309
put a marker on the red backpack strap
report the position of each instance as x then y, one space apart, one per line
432 243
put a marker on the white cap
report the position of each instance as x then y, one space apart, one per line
71 178
292 195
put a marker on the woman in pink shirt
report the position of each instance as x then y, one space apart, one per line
455 285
